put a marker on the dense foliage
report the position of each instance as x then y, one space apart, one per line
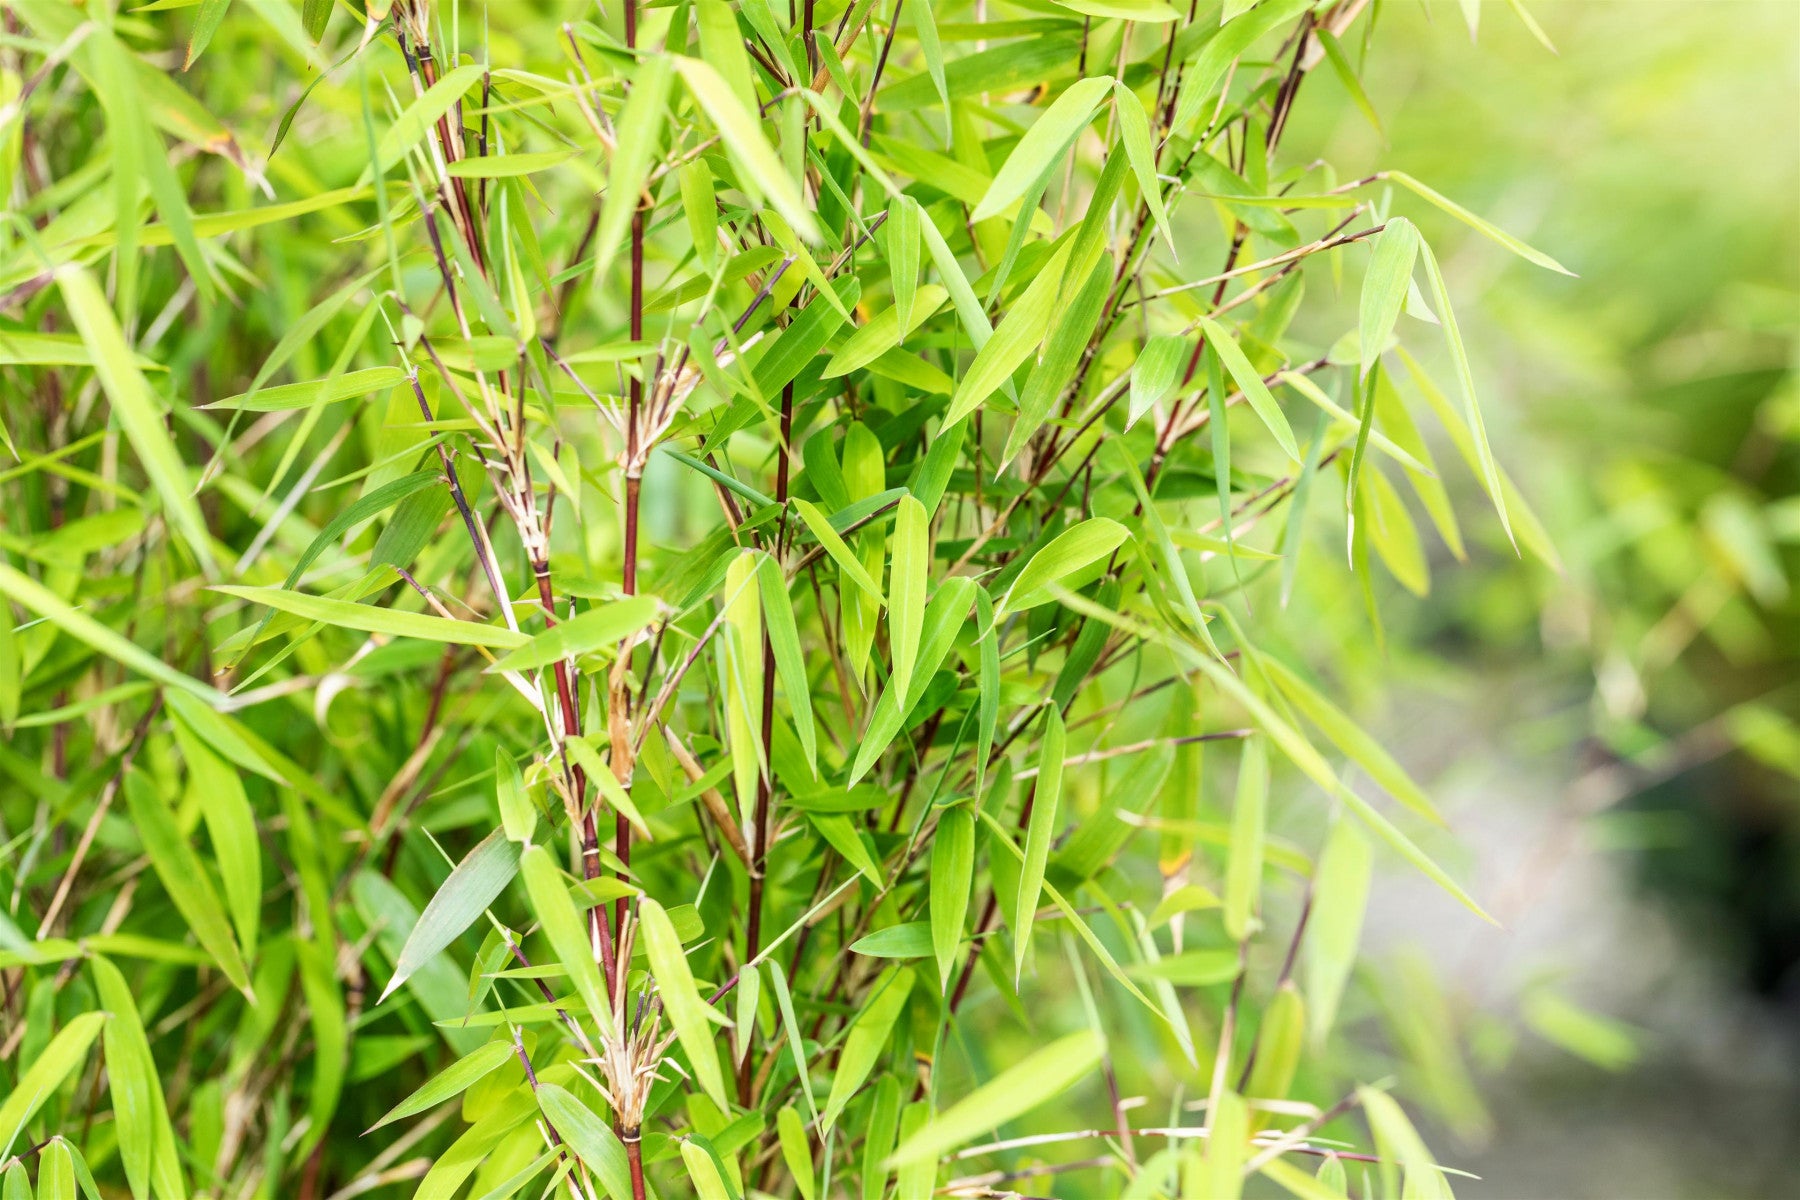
710 583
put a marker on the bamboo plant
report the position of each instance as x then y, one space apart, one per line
707 581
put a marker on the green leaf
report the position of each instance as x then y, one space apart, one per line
1243 870
820 525
784 1000
344 614
66 1052
231 826
136 407
742 652
598 770
140 1112
474 884
1038 149
952 881
866 1040
57 1174
1485 228
1046 795
1038 1077
912 939
1278 1045
315 15
1340 894
416 120
453 1080
206 23
1192 968
184 879
1344 733
1384 286
1340 63
743 135
1251 384
790 663
1218 52
586 1134
1226 1147
567 935
1016 339
1155 374
319 391
517 817
691 1016
638 135
901 245
1484 454
907 568
843 837
1075 548
1134 134
884 331
599 628
796 1152
1608 1044
703 1172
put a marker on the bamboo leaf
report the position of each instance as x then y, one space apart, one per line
416 120
1046 795
1038 1077
910 939
314 393
908 564
184 879
1486 228
66 1052
1251 384
1484 454
206 23
867 1039
1385 286
1363 750
795 1151
1243 871
1047 137
790 663
563 927
231 826
847 562
1340 894
748 146
452 1081
1017 338
136 408
368 619
1155 374
688 1013
146 1141
1071 551
599 628
1134 134
743 675
595 1144
639 133
952 880
474 884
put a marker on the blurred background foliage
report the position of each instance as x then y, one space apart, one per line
1619 745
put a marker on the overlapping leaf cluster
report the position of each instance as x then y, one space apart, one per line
668 576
